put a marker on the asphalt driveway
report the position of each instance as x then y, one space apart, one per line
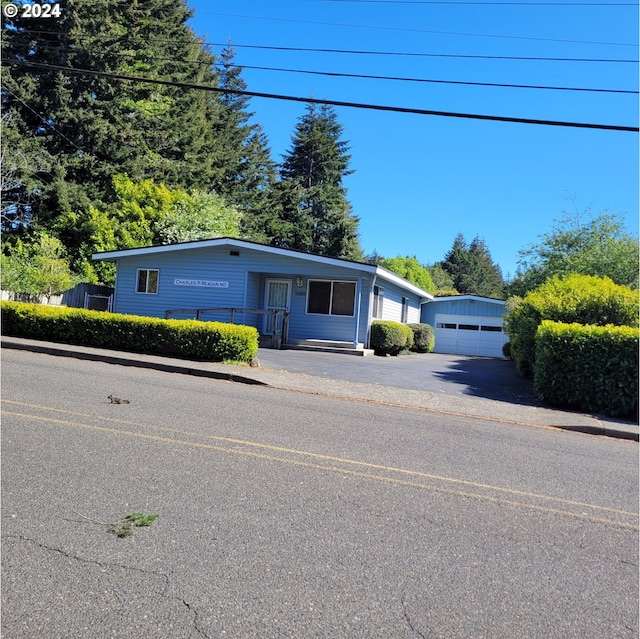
486 377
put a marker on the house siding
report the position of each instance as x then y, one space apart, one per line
246 275
460 307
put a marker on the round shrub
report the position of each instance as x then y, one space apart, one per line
387 337
424 338
506 349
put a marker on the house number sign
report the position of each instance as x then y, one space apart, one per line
203 283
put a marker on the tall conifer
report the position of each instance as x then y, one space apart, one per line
316 215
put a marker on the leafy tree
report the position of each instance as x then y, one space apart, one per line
316 215
144 214
37 267
441 280
411 270
599 247
472 270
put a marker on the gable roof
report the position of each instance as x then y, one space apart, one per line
378 271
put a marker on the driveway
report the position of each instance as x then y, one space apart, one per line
486 377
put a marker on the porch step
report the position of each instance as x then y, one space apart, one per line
327 346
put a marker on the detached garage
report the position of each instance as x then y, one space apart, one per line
466 325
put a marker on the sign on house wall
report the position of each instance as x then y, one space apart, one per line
202 283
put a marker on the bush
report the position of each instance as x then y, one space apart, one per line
506 350
424 338
577 298
388 338
189 339
408 334
592 368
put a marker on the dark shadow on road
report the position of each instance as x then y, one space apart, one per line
489 378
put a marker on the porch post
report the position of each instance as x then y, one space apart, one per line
358 306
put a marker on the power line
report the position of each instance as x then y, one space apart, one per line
411 54
430 81
381 53
338 103
372 77
406 29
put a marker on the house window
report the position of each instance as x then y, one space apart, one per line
405 310
331 298
378 301
147 280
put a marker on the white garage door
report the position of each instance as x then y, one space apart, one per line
469 335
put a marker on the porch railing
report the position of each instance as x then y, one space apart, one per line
279 328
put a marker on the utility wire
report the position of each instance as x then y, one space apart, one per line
457 82
367 76
406 29
410 54
379 53
338 103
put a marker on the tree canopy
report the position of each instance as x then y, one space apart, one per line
599 246
472 269
316 215
411 269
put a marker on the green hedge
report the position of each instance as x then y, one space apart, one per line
424 338
389 338
577 298
189 339
591 368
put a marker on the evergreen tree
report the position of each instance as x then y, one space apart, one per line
94 127
316 215
472 270
250 171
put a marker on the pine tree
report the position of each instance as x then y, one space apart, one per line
472 270
94 127
316 215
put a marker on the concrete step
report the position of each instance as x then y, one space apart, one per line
327 346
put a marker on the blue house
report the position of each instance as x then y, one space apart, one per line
327 299
466 324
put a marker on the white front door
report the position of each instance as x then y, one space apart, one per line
277 296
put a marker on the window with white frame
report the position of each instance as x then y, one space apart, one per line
405 310
328 297
147 281
378 301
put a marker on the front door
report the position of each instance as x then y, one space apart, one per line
277 296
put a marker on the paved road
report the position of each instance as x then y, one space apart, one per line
289 515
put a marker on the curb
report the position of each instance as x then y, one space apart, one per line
630 433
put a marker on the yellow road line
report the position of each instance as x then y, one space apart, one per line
335 469
369 465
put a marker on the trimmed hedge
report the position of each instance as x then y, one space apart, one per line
424 338
188 339
577 298
591 368
389 338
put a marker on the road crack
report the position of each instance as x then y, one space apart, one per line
193 611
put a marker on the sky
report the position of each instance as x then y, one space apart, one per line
419 180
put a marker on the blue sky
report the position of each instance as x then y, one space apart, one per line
419 180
